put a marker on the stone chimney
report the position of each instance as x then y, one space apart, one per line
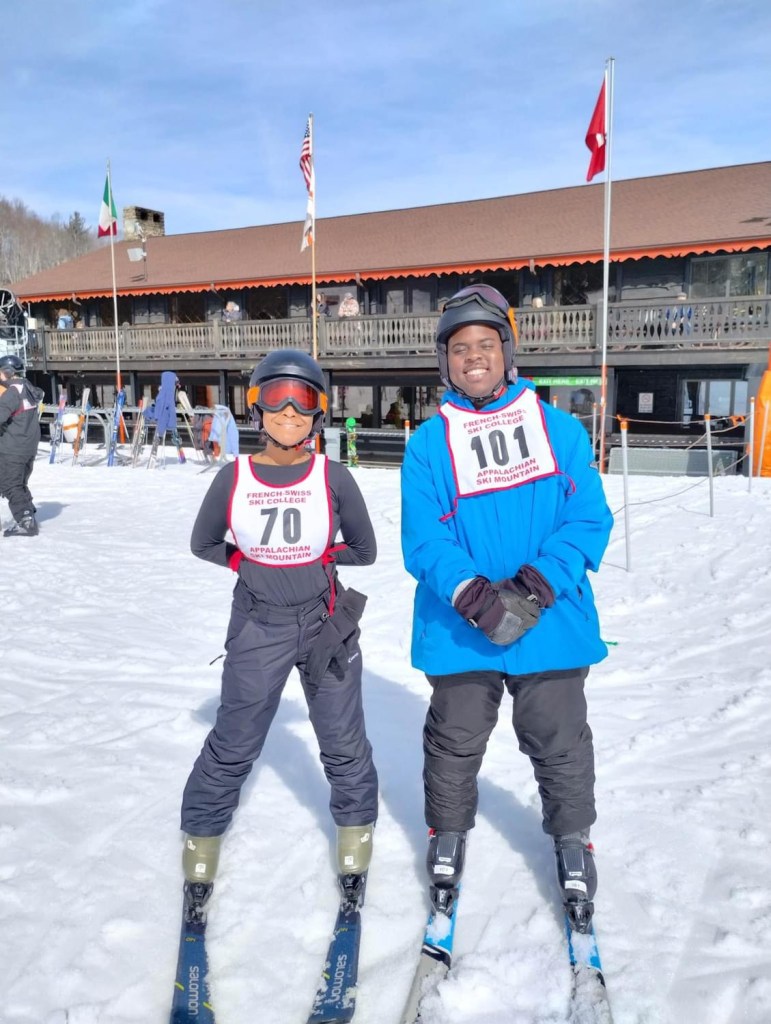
139 223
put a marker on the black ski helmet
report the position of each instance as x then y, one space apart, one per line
477 304
289 363
11 363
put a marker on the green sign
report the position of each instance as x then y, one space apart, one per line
568 382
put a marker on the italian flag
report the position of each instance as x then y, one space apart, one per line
108 217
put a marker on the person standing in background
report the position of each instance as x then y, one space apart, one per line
19 440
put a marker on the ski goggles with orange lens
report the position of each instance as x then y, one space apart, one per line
275 395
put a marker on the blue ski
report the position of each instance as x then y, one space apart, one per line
192 1002
117 415
435 960
589 996
335 999
57 429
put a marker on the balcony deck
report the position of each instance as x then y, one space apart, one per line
639 332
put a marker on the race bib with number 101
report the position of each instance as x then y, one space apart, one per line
492 451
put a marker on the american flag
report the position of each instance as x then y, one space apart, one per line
306 157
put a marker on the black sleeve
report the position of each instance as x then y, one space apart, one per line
355 524
211 524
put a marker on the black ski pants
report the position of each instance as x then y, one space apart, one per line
264 644
14 480
549 717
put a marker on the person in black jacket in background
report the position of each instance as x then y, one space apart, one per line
283 509
19 440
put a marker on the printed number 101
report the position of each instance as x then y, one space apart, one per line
496 441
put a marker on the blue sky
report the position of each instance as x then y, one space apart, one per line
201 106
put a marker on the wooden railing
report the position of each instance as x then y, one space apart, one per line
639 324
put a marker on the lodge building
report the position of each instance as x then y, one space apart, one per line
689 314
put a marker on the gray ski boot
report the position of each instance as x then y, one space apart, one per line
354 853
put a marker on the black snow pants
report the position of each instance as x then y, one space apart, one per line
14 480
549 718
264 643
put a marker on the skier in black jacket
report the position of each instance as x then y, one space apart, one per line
19 440
283 509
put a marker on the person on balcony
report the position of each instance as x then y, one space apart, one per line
231 314
273 518
19 440
503 513
349 306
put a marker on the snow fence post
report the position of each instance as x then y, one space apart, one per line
708 428
625 468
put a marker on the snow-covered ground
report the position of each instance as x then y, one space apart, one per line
107 631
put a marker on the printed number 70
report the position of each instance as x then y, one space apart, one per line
291 523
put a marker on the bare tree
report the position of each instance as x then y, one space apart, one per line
29 243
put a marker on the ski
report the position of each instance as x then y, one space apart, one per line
192 1003
117 416
82 431
189 419
140 433
335 999
57 433
435 960
588 996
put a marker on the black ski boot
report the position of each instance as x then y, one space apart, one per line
577 877
444 863
25 526
196 897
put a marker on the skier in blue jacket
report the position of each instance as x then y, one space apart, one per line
503 513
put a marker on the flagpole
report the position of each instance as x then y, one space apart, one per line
118 382
609 71
315 315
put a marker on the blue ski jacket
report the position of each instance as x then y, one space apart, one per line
559 524
163 411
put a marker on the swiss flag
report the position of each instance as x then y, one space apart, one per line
596 136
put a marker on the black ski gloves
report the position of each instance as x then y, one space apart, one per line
529 581
502 611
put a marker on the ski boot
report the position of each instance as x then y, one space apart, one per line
200 857
577 877
444 863
25 526
354 853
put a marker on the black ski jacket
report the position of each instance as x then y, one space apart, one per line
19 420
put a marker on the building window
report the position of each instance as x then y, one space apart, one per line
719 277
716 397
